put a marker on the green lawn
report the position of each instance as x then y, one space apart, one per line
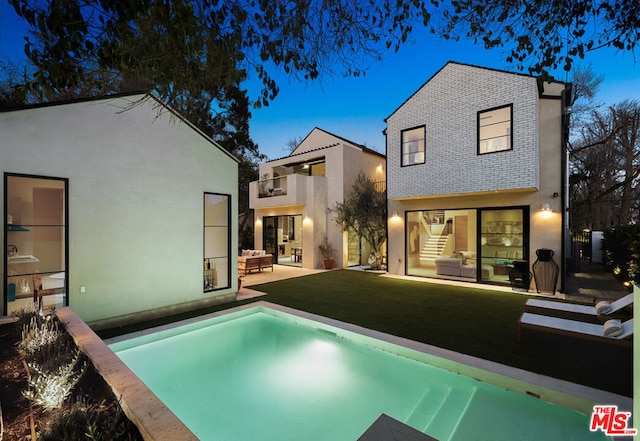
473 321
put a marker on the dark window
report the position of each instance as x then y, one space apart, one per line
495 129
413 146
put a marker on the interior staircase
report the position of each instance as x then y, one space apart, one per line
432 248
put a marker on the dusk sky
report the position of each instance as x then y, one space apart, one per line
355 108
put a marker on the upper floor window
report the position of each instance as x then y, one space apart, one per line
413 146
495 129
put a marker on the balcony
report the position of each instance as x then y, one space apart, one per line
283 190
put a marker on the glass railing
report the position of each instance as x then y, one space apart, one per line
272 187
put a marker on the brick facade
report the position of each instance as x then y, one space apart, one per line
448 105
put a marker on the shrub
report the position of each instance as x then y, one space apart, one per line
621 250
98 422
37 333
49 388
26 314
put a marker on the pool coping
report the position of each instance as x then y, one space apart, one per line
157 422
154 420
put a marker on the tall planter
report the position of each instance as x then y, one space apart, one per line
545 271
327 251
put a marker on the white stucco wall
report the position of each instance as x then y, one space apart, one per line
136 186
343 162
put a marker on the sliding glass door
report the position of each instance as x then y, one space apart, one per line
503 239
474 245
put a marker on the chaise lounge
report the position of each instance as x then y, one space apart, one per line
577 311
612 331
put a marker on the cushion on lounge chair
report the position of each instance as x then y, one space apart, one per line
576 328
613 328
603 307
575 309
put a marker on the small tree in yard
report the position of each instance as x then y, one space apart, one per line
364 212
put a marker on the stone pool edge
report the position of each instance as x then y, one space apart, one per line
154 420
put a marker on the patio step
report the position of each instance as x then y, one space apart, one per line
440 410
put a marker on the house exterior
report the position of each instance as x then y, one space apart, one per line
292 200
476 178
116 207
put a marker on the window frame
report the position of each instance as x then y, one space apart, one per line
205 226
424 146
479 127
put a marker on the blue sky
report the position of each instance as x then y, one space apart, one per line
355 108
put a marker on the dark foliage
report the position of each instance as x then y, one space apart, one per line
621 249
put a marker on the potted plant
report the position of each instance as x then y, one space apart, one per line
327 251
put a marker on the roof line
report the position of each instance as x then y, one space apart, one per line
145 94
74 101
468 65
355 144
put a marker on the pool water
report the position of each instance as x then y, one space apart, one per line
263 377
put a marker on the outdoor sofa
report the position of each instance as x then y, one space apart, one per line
250 260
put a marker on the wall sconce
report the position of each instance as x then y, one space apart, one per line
305 166
395 216
379 168
545 207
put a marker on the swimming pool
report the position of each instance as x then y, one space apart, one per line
266 375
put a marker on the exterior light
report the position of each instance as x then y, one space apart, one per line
380 167
545 207
305 166
395 216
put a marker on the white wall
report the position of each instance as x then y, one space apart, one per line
136 185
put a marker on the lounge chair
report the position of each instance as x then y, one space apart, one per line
613 331
576 311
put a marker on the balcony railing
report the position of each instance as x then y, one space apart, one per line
278 186
381 186
272 187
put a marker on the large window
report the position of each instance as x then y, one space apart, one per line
474 245
503 239
36 238
413 146
495 129
217 221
